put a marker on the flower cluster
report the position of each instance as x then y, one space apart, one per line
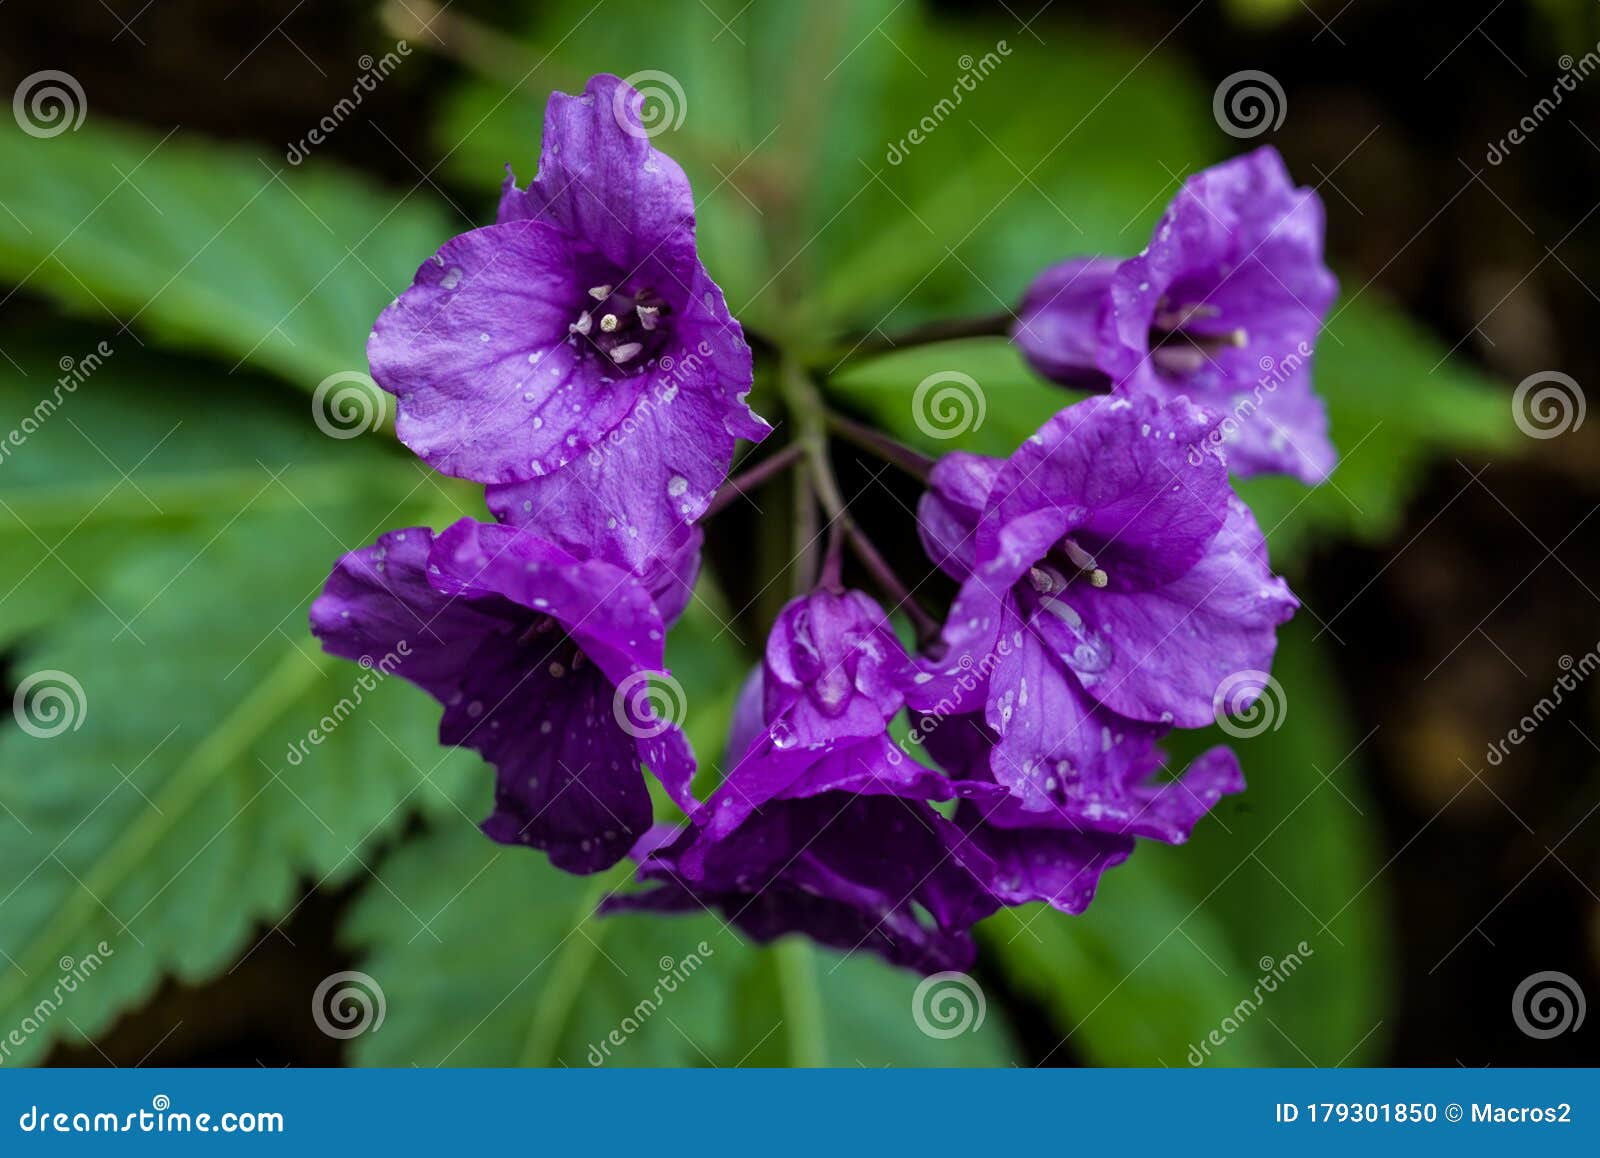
576 358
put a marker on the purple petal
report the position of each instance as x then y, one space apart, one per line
491 384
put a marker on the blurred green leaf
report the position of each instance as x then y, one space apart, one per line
209 245
1009 403
1134 981
1297 858
188 800
488 956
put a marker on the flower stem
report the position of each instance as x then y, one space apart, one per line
752 478
877 443
807 411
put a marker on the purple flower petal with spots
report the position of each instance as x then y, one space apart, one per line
1087 817
1223 306
580 332
526 646
1108 573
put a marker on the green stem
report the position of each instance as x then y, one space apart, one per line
802 1003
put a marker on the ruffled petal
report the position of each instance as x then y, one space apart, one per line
491 384
1059 322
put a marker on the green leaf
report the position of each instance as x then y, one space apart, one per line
219 247
1136 980
488 956
214 760
1269 929
1298 857
805 1006
1001 403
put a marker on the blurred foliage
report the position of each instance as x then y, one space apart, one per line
165 531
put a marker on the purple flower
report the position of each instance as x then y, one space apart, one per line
1224 306
580 324
532 653
823 825
1100 569
1057 854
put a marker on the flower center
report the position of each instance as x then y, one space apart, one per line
557 650
624 327
1184 338
1066 563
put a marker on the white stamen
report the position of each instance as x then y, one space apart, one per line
649 316
582 325
1046 580
625 351
609 323
599 292
1098 578
1081 559
1178 359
